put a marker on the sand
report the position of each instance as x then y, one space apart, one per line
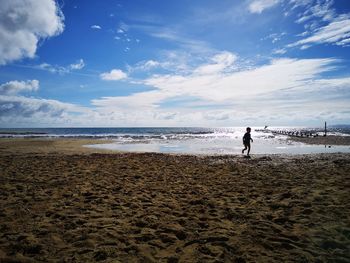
324 140
70 205
50 146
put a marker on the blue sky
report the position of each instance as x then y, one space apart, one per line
174 63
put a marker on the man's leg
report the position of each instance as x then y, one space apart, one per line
248 149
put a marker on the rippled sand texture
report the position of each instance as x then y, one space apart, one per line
166 208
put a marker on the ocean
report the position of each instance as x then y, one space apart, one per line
191 140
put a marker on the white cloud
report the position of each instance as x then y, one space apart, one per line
21 111
337 32
62 69
274 37
170 61
123 28
320 9
24 111
221 85
78 65
225 58
279 51
344 42
114 74
303 47
280 92
220 61
303 34
23 23
96 27
16 106
322 23
150 64
146 65
52 68
258 6
194 45
14 87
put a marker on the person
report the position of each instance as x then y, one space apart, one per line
246 141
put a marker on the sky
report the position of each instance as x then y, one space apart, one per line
123 63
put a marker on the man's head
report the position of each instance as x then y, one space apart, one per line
248 129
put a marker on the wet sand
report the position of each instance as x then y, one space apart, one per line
49 146
323 140
66 204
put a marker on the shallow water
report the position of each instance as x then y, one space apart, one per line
195 140
222 144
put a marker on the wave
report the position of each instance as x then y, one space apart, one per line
150 134
126 137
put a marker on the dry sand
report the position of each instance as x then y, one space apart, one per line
71 206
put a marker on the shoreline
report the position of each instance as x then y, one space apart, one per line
323 140
78 146
50 146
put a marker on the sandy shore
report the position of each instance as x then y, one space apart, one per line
50 146
66 204
324 140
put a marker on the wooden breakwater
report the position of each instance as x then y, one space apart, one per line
291 133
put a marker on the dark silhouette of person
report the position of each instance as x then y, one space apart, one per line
246 141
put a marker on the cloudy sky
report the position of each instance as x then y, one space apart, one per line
174 63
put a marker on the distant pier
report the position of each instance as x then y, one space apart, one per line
304 134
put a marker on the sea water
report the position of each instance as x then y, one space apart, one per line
193 140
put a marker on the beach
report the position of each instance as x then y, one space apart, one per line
323 140
61 202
